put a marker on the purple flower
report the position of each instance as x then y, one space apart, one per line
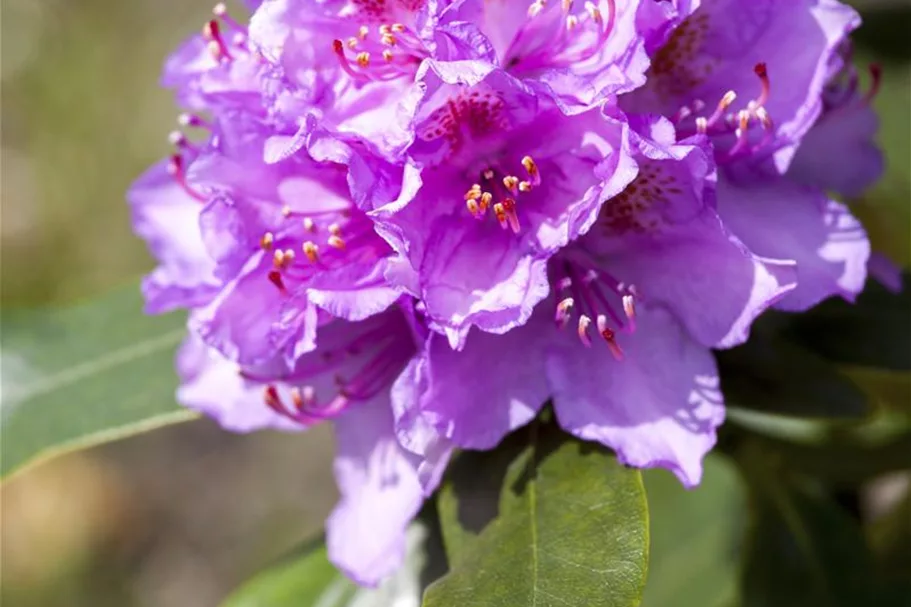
506 179
217 68
165 212
715 74
790 50
655 283
347 382
839 153
420 220
579 53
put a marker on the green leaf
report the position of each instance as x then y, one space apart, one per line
840 459
803 549
542 520
874 332
308 579
774 376
84 375
695 537
890 539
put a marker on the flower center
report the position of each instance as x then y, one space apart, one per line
588 293
384 46
559 35
724 122
504 189
372 361
311 242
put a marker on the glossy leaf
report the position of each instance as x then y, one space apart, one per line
874 332
774 376
308 579
695 537
542 520
802 549
88 374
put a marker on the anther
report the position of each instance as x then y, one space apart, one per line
593 12
309 225
363 59
362 32
286 211
387 55
564 308
535 9
266 241
511 183
282 259
398 28
582 330
311 250
524 186
566 5
336 242
474 192
629 308
532 169
486 199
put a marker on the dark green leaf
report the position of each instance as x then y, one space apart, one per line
695 537
542 520
308 579
84 375
874 332
890 537
774 376
837 461
803 549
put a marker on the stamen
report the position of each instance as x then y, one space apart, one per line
532 169
336 242
593 12
309 225
176 170
629 308
266 241
211 31
335 229
282 259
564 310
584 323
311 250
511 183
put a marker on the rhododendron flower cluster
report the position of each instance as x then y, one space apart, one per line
421 220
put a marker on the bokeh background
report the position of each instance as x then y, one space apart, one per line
182 515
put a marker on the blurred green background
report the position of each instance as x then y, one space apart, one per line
180 516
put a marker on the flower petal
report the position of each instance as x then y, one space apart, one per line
659 407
